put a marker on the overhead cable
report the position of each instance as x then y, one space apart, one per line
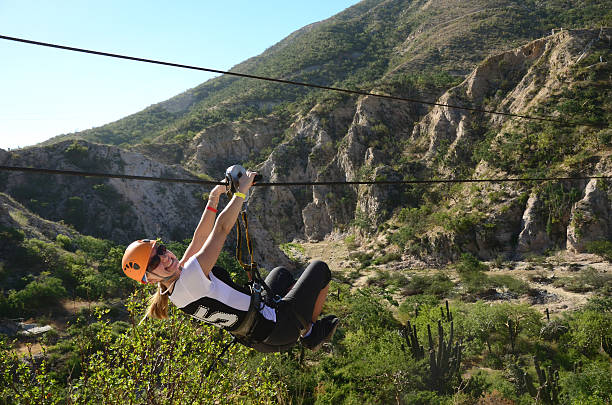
296 83
295 183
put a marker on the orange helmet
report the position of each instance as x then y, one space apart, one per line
136 258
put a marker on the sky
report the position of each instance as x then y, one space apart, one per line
46 92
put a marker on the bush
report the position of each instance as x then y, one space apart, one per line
587 327
512 284
366 311
589 279
158 359
439 285
364 259
96 248
592 384
386 258
470 264
65 242
42 293
600 247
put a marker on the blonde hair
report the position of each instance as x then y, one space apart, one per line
158 305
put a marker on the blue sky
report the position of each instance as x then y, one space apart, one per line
46 92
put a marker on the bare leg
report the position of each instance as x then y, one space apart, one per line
319 303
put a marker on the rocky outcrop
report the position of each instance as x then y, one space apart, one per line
591 218
121 210
223 145
533 236
117 209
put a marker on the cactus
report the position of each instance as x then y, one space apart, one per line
410 334
548 390
511 333
606 344
448 316
444 362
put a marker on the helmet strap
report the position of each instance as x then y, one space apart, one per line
167 279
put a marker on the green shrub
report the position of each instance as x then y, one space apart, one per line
510 283
367 311
44 292
362 374
600 247
386 258
589 279
121 363
402 236
96 248
591 384
587 327
364 259
439 285
470 264
65 242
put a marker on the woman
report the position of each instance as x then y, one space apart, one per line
201 289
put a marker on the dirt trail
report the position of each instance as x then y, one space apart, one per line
335 253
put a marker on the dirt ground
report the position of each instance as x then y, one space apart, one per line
68 309
335 253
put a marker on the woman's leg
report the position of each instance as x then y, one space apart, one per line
300 308
319 303
280 280
308 294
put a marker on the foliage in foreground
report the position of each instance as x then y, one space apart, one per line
104 356
370 361
156 362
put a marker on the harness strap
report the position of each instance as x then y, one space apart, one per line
255 279
248 268
250 321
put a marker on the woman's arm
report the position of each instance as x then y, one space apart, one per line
209 253
205 225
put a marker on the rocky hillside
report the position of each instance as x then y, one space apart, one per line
406 47
121 210
115 209
376 139
478 53
16 216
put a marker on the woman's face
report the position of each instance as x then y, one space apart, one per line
168 265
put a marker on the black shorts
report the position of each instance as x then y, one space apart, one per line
294 311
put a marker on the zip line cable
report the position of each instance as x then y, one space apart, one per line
295 83
298 183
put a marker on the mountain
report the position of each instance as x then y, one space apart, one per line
496 55
376 44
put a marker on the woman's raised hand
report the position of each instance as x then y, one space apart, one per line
217 191
246 182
